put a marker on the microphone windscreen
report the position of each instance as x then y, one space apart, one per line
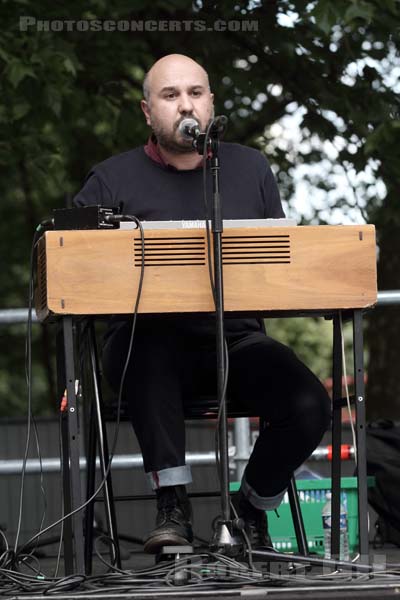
187 126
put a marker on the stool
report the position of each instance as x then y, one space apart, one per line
198 408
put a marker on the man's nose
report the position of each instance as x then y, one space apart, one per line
185 104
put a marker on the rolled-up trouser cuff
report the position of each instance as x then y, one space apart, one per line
261 502
172 476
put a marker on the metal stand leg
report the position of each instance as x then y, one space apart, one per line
65 471
297 517
359 394
336 435
242 443
68 530
103 451
90 486
72 450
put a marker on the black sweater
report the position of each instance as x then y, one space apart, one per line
151 191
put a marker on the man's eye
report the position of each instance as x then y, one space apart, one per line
196 93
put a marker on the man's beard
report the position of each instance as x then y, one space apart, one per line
172 140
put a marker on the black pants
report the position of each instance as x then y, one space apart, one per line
168 367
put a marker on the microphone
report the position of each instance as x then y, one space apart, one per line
189 129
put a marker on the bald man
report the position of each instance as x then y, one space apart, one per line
175 87
174 357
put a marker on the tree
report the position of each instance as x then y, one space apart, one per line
70 98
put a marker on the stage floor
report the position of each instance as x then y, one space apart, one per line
197 578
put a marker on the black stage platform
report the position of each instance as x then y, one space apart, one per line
201 576
321 593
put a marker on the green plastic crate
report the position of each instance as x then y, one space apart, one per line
312 494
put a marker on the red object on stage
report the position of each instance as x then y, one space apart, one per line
345 452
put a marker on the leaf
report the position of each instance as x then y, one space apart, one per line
359 10
4 55
384 136
54 100
391 5
325 16
69 66
20 110
17 71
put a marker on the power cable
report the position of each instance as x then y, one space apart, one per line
115 439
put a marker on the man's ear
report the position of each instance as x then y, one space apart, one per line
145 108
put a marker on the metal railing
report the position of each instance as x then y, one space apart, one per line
134 461
10 316
238 453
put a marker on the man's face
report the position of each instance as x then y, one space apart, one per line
178 89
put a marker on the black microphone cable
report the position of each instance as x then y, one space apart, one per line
41 228
114 218
212 284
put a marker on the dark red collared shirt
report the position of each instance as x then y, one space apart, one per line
153 151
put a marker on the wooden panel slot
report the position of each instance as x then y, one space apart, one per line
256 249
164 252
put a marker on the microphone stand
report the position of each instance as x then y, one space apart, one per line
227 538
224 539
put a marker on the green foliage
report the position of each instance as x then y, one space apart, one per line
70 98
310 338
12 373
